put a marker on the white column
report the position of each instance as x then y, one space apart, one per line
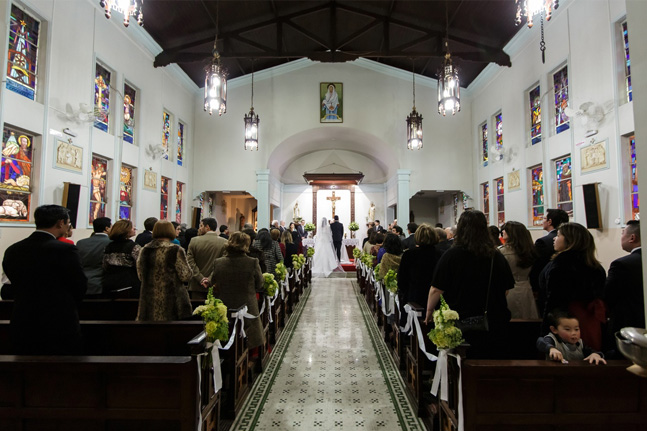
403 196
263 197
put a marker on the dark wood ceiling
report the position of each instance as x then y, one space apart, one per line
263 34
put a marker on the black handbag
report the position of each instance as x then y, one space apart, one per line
478 323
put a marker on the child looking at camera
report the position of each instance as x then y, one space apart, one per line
563 343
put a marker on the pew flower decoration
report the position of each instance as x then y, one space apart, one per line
391 281
298 261
368 259
309 227
281 271
445 334
214 316
310 252
357 253
353 226
269 284
376 272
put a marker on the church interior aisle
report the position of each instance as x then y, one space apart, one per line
329 371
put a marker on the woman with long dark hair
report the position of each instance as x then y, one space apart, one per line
520 253
473 277
574 281
270 249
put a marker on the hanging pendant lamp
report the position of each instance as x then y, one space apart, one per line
215 81
251 123
414 123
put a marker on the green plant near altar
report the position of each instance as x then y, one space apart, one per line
445 334
391 281
310 252
376 272
357 253
298 261
353 226
281 271
309 227
214 316
269 284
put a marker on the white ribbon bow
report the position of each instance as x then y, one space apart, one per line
441 379
217 373
413 322
240 316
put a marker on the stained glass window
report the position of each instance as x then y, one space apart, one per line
564 185
15 176
126 192
535 115
485 193
24 31
627 61
101 97
166 133
130 96
180 143
500 203
560 81
635 207
179 188
498 120
484 146
164 198
537 208
98 188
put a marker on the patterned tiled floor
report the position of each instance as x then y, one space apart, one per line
329 372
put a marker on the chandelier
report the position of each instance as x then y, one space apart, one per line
251 124
414 123
126 7
215 80
449 88
531 8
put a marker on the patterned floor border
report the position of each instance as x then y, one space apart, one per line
253 406
407 416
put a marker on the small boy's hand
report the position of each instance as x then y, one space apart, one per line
595 358
555 355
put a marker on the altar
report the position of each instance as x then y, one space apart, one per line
348 244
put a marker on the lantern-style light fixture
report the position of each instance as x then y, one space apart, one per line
449 88
215 85
251 124
414 123
531 8
126 7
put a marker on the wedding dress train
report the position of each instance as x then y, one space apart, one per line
325 257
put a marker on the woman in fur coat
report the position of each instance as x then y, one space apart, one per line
163 269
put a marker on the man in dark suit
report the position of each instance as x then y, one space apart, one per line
337 230
301 230
377 226
146 236
49 285
204 249
544 245
623 291
91 252
410 241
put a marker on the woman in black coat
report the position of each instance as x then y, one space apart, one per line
120 261
290 247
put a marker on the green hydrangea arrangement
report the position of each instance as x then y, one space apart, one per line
391 281
298 261
445 334
310 252
353 226
368 259
357 253
309 227
269 284
214 316
281 271
376 272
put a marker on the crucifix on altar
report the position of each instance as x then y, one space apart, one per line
333 199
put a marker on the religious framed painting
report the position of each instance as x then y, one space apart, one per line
331 102
594 157
68 156
150 181
514 181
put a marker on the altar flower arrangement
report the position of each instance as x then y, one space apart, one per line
269 284
214 316
357 253
445 334
391 281
281 271
353 226
309 227
376 272
298 261
310 252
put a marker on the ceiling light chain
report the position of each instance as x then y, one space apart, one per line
449 88
530 8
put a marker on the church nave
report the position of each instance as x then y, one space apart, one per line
329 370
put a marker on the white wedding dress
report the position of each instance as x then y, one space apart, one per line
325 258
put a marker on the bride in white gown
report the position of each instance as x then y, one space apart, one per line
325 257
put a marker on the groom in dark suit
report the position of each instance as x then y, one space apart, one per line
337 230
